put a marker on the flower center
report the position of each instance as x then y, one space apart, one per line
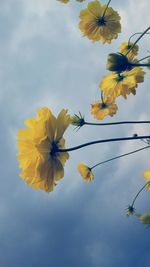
54 149
103 105
101 21
128 47
119 78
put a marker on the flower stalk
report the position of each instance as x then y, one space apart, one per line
106 9
138 39
143 59
103 141
120 156
138 193
115 123
139 65
129 41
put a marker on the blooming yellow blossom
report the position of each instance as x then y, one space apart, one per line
147 177
100 109
144 218
40 163
85 172
124 48
114 84
99 22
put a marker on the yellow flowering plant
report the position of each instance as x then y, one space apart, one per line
85 172
99 22
42 153
40 163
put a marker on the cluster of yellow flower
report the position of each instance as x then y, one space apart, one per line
41 146
118 83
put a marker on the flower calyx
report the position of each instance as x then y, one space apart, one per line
78 120
130 210
117 62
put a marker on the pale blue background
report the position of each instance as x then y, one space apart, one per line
45 61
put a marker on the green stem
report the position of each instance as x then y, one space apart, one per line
139 65
102 97
139 193
134 35
116 123
143 58
103 141
120 156
138 39
106 9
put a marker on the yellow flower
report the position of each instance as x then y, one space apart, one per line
63 1
147 177
40 163
85 172
124 48
144 219
99 22
100 109
123 84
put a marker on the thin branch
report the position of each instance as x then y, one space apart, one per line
120 156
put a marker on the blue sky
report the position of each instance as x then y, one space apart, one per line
45 61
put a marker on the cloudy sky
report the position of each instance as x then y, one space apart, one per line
45 61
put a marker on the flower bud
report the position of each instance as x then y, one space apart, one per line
77 120
117 62
130 210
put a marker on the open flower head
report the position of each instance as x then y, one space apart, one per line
102 108
85 172
144 219
99 22
125 47
40 163
147 177
123 84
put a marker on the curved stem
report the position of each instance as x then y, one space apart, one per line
106 9
134 35
138 39
115 123
120 156
103 141
139 193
